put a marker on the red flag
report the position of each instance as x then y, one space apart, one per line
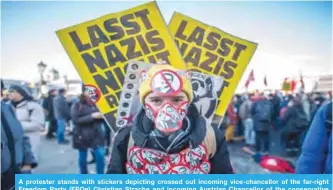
249 79
292 85
302 82
265 81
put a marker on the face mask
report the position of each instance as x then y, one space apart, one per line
168 118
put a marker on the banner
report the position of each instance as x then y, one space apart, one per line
100 50
212 51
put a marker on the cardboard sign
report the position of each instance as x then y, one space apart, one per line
100 50
212 51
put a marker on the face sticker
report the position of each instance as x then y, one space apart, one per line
183 109
94 93
143 76
180 170
149 112
166 82
168 119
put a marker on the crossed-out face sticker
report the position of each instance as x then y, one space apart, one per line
167 118
94 93
166 82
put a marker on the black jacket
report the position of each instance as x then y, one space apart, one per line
294 119
87 132
141 129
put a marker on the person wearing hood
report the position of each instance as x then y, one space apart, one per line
262 112
294 122
16 154
87 132
168 135
29 113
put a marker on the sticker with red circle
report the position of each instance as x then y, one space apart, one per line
166 82
93 91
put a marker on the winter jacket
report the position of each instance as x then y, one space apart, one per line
61 108
48 106
87 132
141 134
31 116
316 157
20 143
232 114
245 110
294 119
307 109
261 125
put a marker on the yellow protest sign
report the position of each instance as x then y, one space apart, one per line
212 51
100 49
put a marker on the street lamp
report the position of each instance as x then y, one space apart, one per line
41 69
55 74
66 81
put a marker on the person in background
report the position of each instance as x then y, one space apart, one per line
316 156
275 101
62 115
262 119
306 105
245 115
317 101
16 154
294 122
49 112
233 120
88 132
29 113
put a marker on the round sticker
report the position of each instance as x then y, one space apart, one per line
94 93
166 82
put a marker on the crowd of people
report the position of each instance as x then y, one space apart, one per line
253 116
168 135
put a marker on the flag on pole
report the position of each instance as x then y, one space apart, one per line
286 85
265 80
249 79
302 81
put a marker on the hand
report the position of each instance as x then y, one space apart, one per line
26 169
97 115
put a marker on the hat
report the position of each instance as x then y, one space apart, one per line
21 90
164 80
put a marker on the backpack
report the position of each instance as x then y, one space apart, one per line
209 141
301 121
264 111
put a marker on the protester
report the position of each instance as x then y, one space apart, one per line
29 113
62 115
49 111
316 157
262 121
246 117
233 120
294 122
306 106
88 132
168 135
16 154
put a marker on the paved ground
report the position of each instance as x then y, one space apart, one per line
62 159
